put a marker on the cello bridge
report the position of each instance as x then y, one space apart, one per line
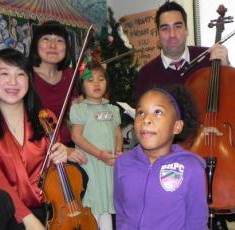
212 130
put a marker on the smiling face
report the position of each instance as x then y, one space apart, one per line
13 84
51 48
156 123
172 34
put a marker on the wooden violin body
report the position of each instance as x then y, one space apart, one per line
68 212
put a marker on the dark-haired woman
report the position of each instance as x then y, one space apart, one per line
23 146
50 57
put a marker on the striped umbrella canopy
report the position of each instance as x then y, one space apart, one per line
44 10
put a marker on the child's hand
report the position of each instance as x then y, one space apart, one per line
107 157
77 156
59 153
118 153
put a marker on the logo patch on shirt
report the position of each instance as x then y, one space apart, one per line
171 176
103 116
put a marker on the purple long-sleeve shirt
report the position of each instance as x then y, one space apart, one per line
169 194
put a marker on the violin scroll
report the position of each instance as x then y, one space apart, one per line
48 121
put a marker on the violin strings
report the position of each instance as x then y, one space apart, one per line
71 203
68 195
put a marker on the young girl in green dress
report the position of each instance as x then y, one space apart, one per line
96 131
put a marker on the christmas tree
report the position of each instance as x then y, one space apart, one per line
121 64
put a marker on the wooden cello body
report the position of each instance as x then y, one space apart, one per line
214 96
214 89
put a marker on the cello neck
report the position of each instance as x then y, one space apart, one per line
213 90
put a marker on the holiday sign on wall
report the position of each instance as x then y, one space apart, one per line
141 30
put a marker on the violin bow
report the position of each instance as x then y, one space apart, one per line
61 116
118 57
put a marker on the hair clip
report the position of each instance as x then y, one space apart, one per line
84 71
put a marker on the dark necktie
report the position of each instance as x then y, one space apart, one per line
177 64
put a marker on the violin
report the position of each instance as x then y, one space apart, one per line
68 212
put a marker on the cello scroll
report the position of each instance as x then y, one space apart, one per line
219 23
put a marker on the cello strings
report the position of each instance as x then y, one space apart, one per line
212 108
215 101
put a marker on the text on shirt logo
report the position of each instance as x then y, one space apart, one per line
103 116
171 176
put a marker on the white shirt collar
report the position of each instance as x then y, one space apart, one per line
166 61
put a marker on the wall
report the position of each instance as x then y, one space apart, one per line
126 7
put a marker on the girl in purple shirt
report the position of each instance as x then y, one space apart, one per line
159 185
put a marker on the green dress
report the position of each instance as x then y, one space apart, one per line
100 122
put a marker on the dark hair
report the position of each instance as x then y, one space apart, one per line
187 109
92 66
170 6
49 27
31 100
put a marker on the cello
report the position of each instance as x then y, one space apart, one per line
62 185
213 89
